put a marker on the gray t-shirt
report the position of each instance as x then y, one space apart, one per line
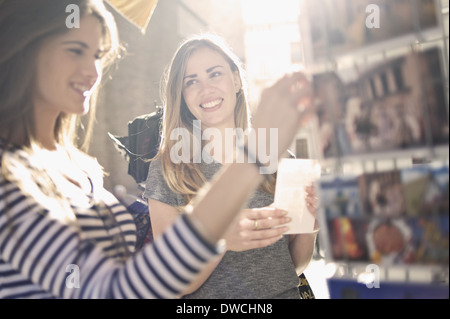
253 274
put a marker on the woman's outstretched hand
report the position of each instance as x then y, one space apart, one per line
284 106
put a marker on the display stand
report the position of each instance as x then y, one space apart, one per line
382 126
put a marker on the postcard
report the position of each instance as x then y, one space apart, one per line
398 104
292 178
339 197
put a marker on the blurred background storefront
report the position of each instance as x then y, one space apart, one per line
375 70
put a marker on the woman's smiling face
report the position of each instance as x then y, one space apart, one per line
210 87
69 69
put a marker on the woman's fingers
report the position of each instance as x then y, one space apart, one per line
311 199
285 106
297 88
252 239
260 243
264 223
265 233
258 227
266 212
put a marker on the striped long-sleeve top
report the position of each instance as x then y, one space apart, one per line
42 257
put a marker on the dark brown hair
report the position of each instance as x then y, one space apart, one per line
24 25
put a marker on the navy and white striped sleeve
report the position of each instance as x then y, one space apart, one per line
41 248
165 268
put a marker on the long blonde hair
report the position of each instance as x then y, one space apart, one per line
186 178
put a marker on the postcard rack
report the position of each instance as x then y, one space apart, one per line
382 136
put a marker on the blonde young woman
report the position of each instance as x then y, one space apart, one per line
62 235
205 90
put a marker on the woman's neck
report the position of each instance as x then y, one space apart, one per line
47 140
44 128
